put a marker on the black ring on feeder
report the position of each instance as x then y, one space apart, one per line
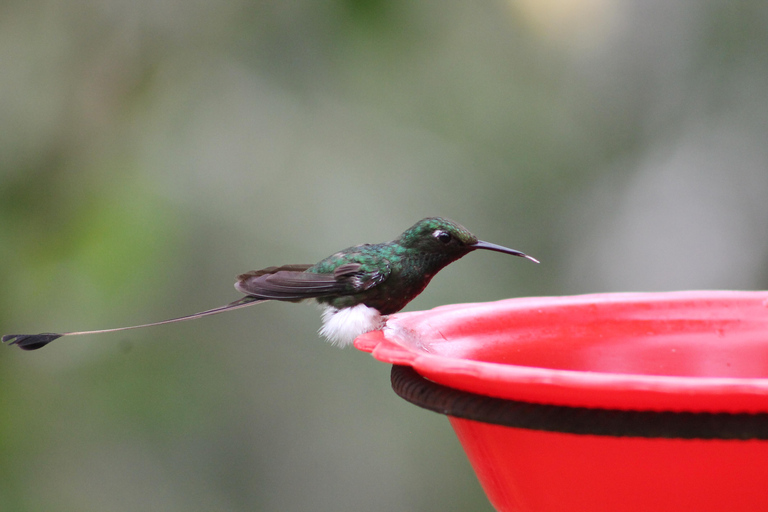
409 385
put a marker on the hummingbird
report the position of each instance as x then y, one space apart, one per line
356 288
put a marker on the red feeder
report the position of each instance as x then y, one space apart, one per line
610 402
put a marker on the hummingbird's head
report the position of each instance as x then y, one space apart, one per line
448 238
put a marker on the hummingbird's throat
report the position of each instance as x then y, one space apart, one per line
342 326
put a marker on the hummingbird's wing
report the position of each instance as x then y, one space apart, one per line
293 283
362 277
272 270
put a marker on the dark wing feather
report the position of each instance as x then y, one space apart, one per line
272 270
293 283
353 274
282 284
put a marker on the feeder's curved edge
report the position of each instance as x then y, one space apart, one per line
400 344
384 350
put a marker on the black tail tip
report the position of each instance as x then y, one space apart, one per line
31 341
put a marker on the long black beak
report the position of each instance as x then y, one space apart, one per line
500 248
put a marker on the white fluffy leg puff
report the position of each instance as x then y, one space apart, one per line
342 326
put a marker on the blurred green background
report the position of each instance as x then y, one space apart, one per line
151 150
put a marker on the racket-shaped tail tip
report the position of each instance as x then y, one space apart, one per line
30 341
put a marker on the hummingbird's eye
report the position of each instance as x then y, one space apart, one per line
442 236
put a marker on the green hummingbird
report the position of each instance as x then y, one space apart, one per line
356 288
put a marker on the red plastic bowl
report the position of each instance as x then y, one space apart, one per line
620 402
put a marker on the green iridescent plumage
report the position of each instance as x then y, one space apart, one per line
390 275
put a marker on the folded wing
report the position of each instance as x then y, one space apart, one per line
294 283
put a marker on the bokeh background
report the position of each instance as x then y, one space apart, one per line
151 150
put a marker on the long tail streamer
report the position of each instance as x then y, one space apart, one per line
36 341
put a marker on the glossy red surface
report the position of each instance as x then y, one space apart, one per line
532 471
683 351
680 351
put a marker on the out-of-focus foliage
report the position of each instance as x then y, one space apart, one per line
151 150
